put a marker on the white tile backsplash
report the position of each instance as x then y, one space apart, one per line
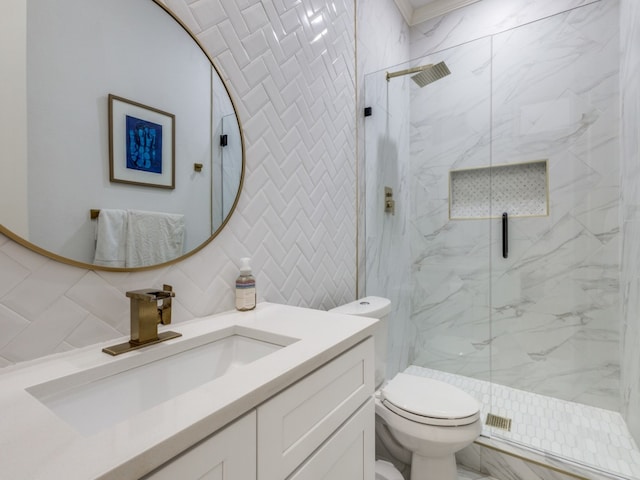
43 335
11 324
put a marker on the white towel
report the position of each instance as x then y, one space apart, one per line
111 239
153 237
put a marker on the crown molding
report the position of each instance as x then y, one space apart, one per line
436 8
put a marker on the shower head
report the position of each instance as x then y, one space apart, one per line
430 74
425 74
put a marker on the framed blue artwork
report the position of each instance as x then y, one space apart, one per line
141 144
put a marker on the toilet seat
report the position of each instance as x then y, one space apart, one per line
430 402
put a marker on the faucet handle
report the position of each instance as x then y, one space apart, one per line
151 295
166 292
165 309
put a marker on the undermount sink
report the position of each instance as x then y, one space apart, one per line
94 399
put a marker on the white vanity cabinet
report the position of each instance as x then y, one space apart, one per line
229 454
320 427
289 399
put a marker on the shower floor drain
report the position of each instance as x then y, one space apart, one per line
498 422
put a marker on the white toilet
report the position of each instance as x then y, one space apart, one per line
430 419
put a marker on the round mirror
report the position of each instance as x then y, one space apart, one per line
126 151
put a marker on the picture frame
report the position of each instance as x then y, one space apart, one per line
141 144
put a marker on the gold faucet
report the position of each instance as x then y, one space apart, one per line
146 314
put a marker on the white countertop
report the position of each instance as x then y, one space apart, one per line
36 444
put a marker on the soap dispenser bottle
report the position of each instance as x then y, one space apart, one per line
245 287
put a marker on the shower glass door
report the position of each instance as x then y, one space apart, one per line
387 236
555 298
432 255
449 181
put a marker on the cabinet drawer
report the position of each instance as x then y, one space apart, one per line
348 454
297 421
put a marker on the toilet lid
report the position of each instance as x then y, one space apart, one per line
430 399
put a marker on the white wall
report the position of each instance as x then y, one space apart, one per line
294 85
13 116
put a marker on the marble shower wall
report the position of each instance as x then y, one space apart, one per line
291 70
545 90
630 206
450 275
481 19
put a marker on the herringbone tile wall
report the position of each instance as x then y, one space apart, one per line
290 66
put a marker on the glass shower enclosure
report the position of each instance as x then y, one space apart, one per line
502 257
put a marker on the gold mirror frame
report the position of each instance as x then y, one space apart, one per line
35 248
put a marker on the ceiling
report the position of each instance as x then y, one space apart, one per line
418 11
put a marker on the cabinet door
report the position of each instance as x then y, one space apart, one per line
294 423
348 454
229 454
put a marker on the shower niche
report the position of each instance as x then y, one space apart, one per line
521 189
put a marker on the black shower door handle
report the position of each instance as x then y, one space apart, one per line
505 235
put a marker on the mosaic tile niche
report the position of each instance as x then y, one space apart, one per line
519 189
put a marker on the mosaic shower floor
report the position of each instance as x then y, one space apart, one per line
586 435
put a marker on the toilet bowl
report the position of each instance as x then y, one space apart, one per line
432 420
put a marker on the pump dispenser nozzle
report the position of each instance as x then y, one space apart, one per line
244 265
245 287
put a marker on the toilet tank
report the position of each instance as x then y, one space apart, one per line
374 307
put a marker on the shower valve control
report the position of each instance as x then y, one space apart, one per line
389 202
